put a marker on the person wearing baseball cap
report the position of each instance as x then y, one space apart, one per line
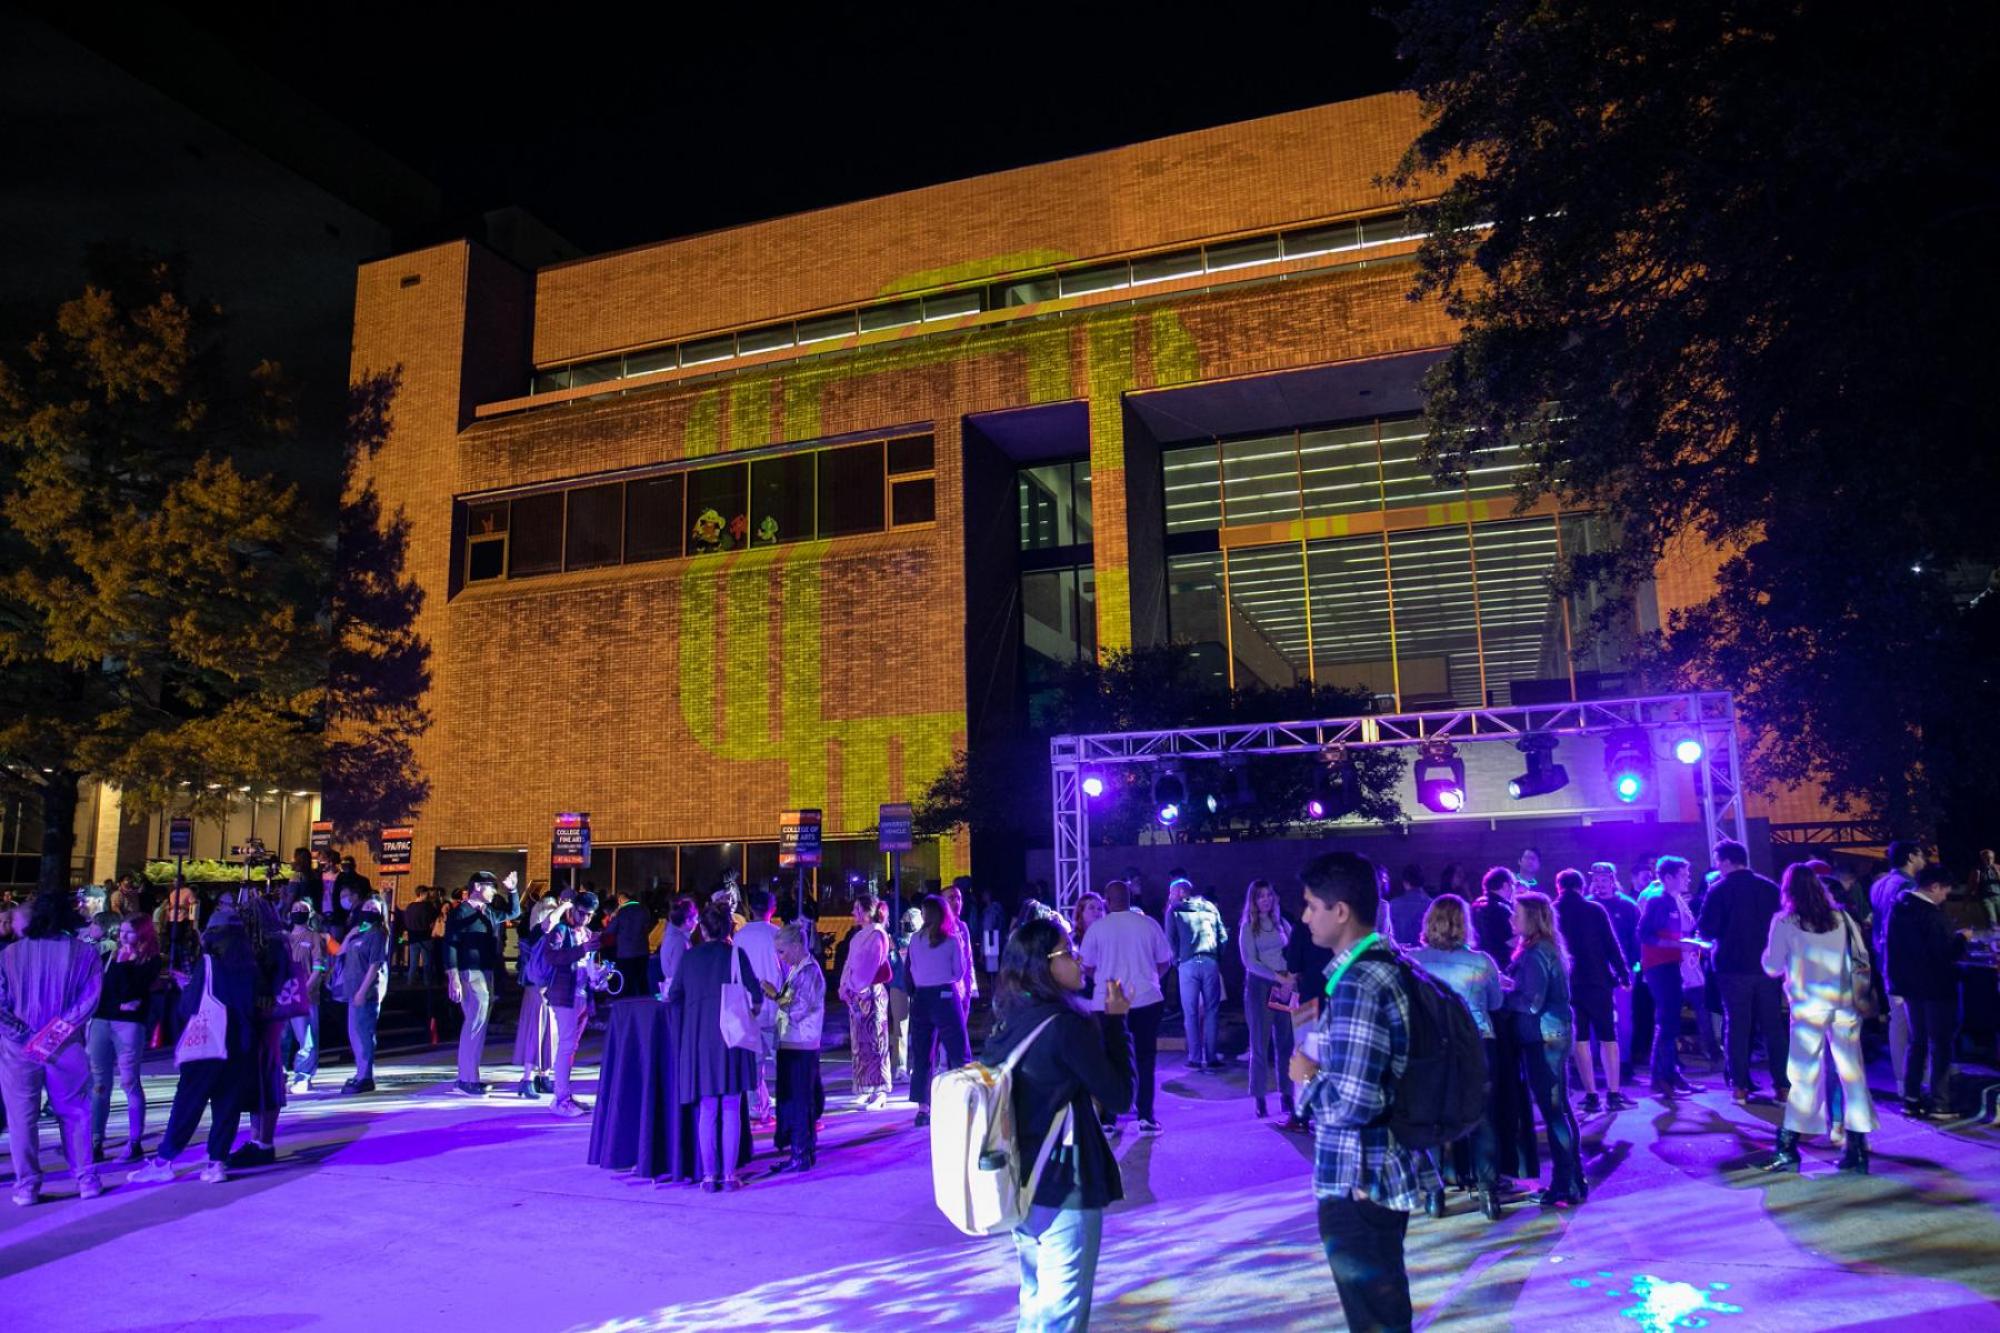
472 939
363 976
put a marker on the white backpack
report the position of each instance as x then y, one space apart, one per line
975 1150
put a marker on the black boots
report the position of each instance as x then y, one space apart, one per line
1489 1203
1263 1108
1434 1202
1855 1159
1787 1156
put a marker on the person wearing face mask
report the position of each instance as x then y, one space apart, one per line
361 981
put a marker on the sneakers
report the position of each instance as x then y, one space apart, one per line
300 1083
89 1187
1112 1125
1741 1096
154 1172
132 1155
253 1154
356 1086
569 1108
1148 1125
214 1172
1618 1101
1591 1106
27 1194
464 1089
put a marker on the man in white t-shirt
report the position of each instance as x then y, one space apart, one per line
1130 948
758 939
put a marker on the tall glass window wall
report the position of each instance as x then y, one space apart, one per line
1058 580
1334 555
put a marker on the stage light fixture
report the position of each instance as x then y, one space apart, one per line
1093 785
1544 775
1336 789
1628 764
1689 750
1169 796
1440 777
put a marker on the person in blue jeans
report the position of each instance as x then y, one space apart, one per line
1066 1068
364 976
1195 929
304 944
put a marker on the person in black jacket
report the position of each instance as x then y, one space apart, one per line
1923 972
1076 1066
1597 967
471 958
1736 915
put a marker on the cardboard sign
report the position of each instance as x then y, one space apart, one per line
180 836
322 836
892 829
571 845
798 838
394 856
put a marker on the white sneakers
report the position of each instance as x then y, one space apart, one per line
155 1172
214 1173
570 1108
89 1187
27 1195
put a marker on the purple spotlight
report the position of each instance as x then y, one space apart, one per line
1316 808
1688 749
1093 786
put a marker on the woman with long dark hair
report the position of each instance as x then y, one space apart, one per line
1072 1066
1538 1005
117 1037
1812 948
712 1074
936 959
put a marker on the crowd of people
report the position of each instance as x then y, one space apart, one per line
1572 988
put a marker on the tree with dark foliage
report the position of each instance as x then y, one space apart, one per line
1725 271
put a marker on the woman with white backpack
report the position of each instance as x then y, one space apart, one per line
1073 1069
709 1068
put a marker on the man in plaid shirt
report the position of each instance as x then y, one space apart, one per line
1367 1185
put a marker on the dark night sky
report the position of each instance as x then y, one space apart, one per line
618 131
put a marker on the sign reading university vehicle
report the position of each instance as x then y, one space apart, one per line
798 838
892 829
393 858
571 844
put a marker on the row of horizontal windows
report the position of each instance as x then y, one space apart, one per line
1304 243
1458 615
1349 469
802 496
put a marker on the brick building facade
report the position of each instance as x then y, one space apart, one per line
902 417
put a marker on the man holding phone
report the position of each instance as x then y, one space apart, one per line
471 958
1125 953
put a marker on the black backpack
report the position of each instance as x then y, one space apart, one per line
1441 1096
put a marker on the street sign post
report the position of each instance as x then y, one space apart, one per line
892 835
798 848
571 844
322 836
180 843
393 856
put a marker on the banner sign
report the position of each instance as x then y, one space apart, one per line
394 856
180 836
571 845
798 838
322 836
892 829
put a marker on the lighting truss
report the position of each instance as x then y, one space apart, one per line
1711 715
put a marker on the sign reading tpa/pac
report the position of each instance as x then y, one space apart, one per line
393 858
892 829
571 844
798 838
322 836
180 836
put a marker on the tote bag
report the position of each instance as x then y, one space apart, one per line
739 1025
206 1036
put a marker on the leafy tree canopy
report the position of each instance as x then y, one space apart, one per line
169 611
1723 272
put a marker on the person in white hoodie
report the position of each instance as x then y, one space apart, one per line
1812 950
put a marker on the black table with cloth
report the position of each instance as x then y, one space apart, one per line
640 1124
